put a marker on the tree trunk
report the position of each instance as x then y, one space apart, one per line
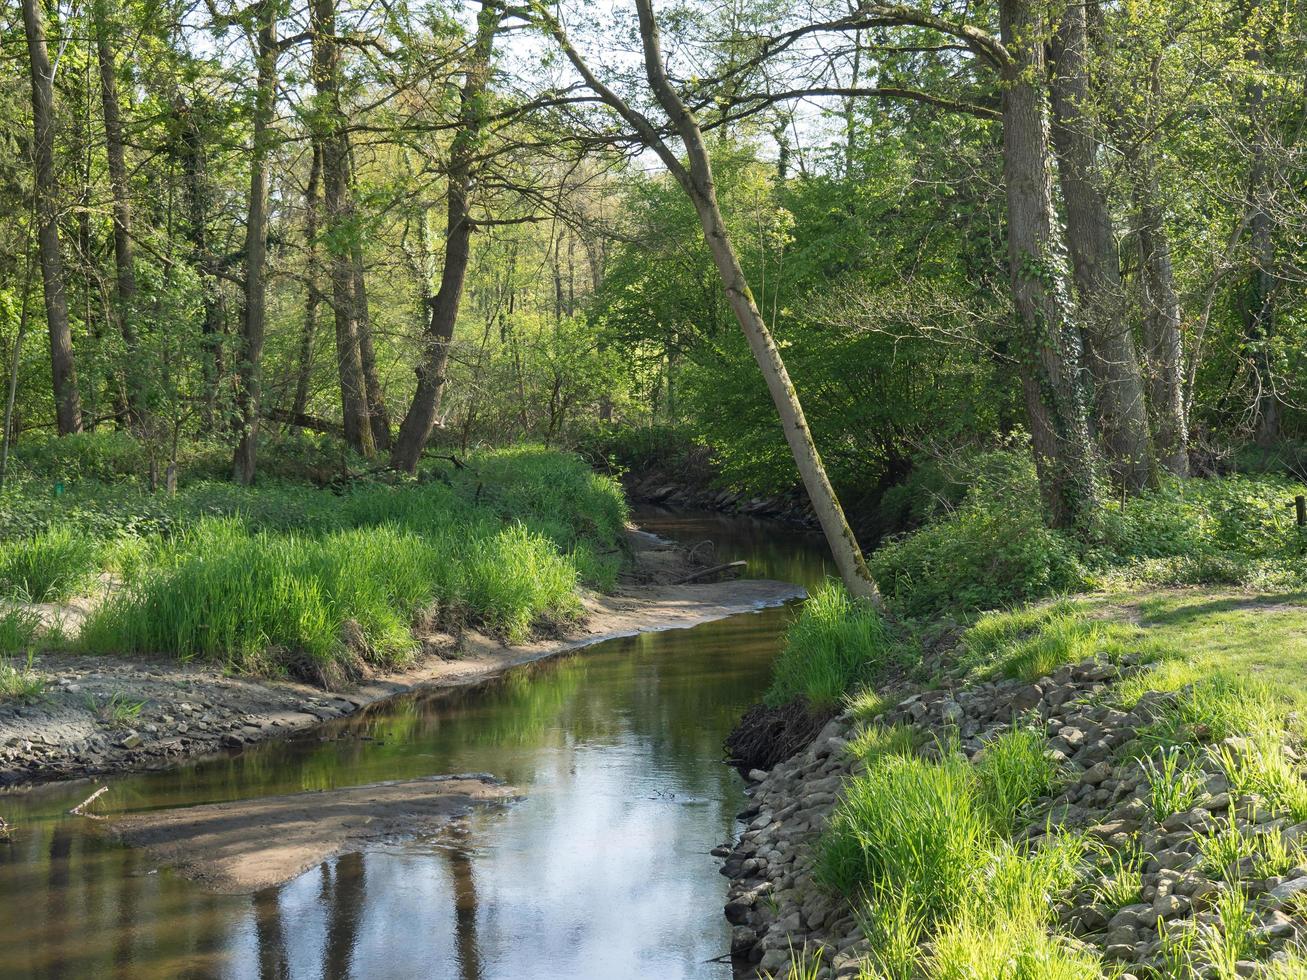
124 263
339 213
249 363
196 181
1113 360
1259 301
1162 350
309 329
1051 374
420 419
378 414
67 401
698 183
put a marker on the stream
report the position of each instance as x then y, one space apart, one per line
602 871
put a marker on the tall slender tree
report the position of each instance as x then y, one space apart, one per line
339 221
696 180
67 400
1113 359
249 362
420 419
124 261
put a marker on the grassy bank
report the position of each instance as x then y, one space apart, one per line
288 577
1202 585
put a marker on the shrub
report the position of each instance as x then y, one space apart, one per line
835 641
988 553
50 566
104 455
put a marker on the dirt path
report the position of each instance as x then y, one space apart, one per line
106 714
243 846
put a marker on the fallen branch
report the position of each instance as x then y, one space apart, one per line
736 566
80 809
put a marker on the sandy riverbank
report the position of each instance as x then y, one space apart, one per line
88 724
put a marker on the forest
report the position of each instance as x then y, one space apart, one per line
335 333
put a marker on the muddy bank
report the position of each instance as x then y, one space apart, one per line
107 714
243 846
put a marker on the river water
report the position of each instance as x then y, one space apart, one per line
601 872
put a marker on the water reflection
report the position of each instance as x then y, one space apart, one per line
602 871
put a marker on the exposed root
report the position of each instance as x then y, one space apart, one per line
766 736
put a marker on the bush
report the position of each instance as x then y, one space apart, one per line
835 642
992 551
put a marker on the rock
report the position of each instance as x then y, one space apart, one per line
1287 890
131 741
1096 773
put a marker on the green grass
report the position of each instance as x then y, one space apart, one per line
1031 642
1015 769
18 631
1121 883
50 566
913 826
1174 782
285 578
1257 765
835 642
19 683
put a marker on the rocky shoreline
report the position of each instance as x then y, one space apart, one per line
775 906
100 715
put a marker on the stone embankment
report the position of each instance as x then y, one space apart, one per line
774 905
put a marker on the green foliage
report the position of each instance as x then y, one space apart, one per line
18 631
835 642
286 578
994 550
1030 642
1122 883
912 826
49 566
1257 764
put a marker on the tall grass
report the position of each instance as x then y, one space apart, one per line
19 683
320 606
50 566
18 631
913 826
332 585
922 845
1015 769
835 642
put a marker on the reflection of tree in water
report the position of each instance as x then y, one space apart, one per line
267 930
465 911
343 894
